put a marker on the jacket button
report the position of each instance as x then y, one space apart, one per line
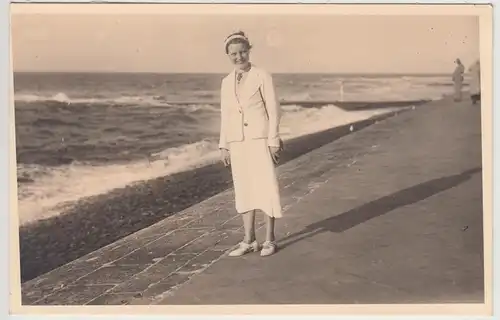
246 124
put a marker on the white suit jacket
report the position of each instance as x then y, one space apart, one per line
257 109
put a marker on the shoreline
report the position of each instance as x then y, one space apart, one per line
100 220
314 104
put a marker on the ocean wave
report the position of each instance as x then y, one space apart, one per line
125 100
52 189
298 121
83 135
48 191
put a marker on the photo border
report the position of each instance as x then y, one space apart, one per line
10 200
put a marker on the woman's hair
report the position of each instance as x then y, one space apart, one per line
237 37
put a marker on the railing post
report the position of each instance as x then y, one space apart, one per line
341 90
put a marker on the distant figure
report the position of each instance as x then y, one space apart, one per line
250 142
458 80
475 85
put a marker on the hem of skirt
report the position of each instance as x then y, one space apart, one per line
280 213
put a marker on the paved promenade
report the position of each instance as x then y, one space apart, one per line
400 222
389 214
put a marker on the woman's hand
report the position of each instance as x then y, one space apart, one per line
225 158
275 153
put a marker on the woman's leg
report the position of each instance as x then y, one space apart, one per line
249 226
269 247
270 228
249 244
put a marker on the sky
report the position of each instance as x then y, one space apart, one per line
281 43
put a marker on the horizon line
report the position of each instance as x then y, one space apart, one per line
225 72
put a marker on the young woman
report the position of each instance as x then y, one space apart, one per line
250 142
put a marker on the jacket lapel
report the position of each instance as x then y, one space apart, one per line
231 86
250 86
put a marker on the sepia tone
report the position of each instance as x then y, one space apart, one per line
123 198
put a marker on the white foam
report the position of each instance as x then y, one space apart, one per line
120 100
46 196
298 121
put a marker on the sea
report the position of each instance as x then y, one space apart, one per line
83 134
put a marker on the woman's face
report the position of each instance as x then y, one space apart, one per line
239 54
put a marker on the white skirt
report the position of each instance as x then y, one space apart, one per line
254 177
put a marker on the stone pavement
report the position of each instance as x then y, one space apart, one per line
391 213
399 222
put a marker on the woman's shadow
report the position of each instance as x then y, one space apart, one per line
376 208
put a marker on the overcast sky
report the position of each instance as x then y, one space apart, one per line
301 43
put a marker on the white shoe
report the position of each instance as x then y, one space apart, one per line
268 248
244 248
